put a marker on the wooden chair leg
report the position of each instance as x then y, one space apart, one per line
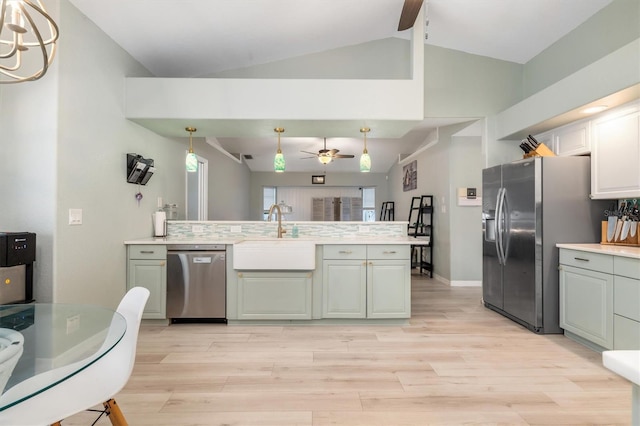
113 412
56 424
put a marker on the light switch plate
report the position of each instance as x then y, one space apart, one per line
363 229
197 229
75 216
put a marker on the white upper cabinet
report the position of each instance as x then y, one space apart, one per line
573 139
615 155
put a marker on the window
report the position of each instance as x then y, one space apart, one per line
368 204
268 199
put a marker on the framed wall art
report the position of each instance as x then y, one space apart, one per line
410 176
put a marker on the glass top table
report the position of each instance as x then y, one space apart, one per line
42 345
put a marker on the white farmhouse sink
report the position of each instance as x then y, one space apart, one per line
281 254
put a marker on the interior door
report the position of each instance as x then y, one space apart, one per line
519 284
491 267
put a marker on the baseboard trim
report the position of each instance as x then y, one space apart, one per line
457 283
468 283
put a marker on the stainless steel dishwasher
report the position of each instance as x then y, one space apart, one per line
196 283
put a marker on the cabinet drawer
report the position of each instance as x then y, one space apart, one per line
400 252
626 297
627 267
147 251
587 260
626 333
344 251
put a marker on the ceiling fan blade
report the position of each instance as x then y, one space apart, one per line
304 158
333 151
324 151
343 156
409 13
312 153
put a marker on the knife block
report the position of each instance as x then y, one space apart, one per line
541 151
629 241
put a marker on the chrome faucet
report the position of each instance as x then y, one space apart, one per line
281 230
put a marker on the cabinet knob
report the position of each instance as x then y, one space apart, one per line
162 263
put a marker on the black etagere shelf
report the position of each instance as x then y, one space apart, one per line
420 226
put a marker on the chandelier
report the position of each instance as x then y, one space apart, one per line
26 32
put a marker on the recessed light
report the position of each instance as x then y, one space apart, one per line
594 109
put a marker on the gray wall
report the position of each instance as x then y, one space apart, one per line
381 59
450 163
229 184
613 27
92 142
28 136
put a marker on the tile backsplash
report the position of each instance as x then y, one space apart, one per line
222 229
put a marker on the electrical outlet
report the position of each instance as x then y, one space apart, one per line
197 229
73 324
363 229
236 229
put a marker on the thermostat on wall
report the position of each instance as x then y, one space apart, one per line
469 197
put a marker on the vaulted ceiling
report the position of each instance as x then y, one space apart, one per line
192 38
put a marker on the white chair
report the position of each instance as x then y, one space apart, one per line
96 384
11 348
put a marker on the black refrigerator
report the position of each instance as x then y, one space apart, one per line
529 206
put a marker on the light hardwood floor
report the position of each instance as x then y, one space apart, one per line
455 363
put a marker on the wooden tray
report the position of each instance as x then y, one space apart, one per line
629 241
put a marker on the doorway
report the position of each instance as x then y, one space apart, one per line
197 191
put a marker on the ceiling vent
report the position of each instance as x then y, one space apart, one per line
248 157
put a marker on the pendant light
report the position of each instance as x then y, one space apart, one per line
27 31
192 160
365 159
278 160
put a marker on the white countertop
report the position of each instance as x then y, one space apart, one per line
623 363
315 240
614 250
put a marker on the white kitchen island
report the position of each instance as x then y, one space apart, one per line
361 272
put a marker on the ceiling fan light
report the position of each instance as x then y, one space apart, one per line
365 162
324 158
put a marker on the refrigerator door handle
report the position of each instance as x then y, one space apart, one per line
500 226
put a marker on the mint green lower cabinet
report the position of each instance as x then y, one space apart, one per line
152 275
586 304
626 305
274 295
344 289
389 289
147 267
626 334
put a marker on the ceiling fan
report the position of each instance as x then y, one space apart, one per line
325 156
409 14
